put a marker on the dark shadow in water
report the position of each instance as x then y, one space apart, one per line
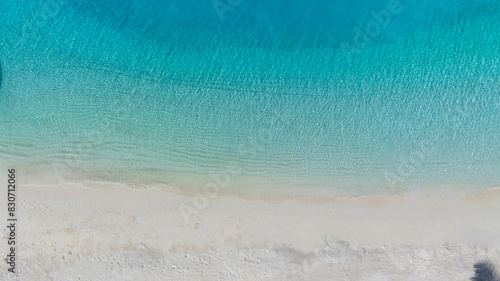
485 271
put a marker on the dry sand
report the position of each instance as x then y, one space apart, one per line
111 232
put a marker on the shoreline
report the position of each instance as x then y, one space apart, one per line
79 226
277 197
267 189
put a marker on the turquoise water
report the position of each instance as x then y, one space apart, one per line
171 93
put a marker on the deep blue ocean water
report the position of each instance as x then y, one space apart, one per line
343 97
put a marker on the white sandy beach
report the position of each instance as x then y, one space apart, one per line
111 232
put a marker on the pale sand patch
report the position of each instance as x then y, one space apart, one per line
90 232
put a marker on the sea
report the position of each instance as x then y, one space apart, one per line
256 98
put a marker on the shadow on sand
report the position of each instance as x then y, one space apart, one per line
485 271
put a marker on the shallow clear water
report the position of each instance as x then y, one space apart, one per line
265 94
